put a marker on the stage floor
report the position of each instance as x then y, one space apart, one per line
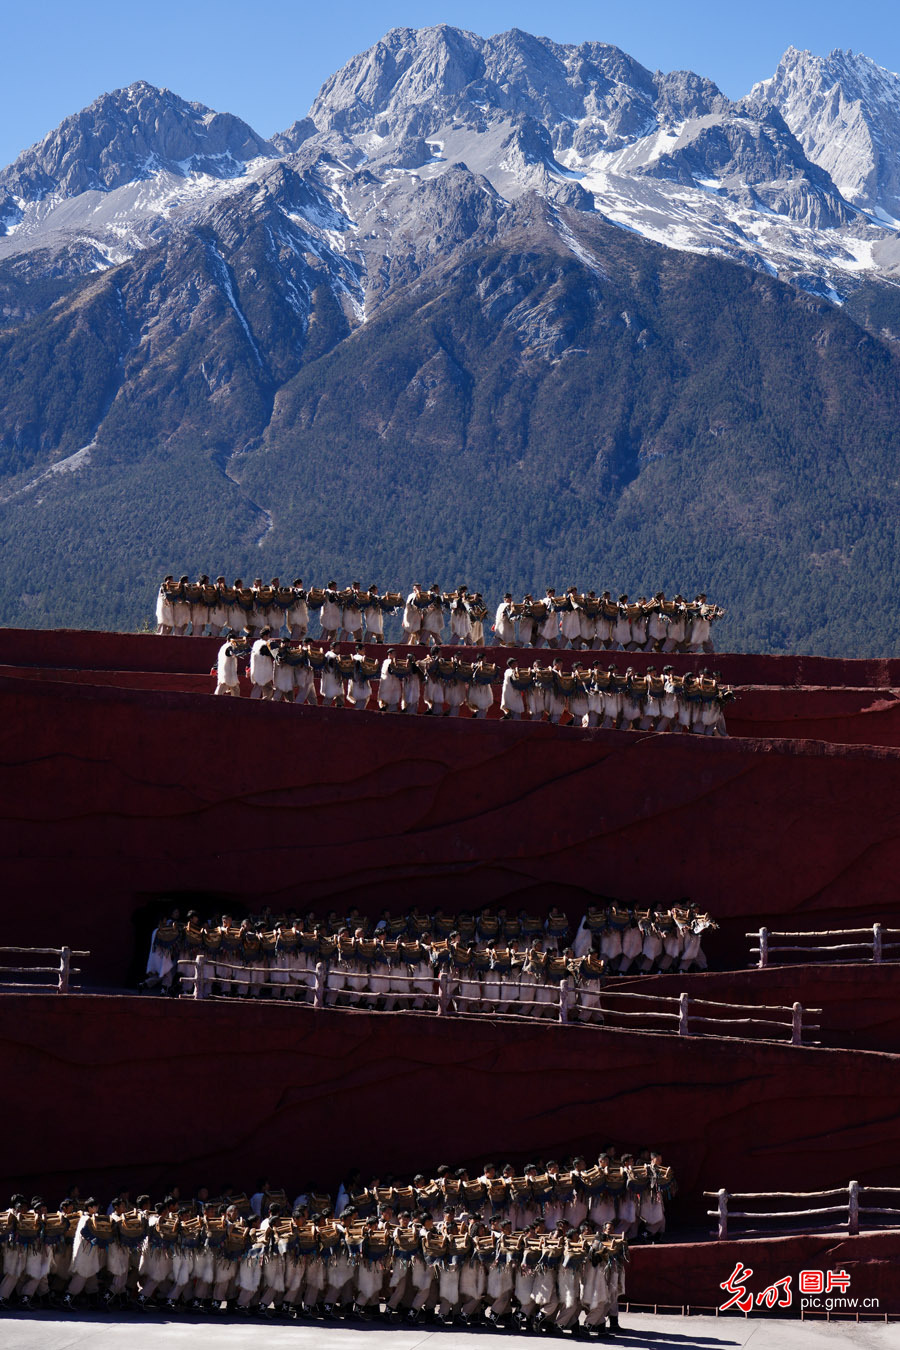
639 1331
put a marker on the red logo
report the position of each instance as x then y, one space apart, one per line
735 1286
779 1294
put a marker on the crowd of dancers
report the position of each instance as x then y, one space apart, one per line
541 1247
441 684
494 962
571 619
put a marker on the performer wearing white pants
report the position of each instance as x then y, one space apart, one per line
412 615
283 677
165 610
389 688
512 700
434 686
460 633
87 1258
411 690
433 620
262 666
374 616
297 617
548 628
570 620
504 624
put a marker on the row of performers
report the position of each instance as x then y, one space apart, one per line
359 971
345 613
600 922
572 619
458 1269
441 684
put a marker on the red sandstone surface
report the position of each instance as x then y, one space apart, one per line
859 1003
693 1272
125 796
86 650
231 1089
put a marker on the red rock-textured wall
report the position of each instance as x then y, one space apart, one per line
692 1273
154 1090
838 716
84 650
122 797
859 1002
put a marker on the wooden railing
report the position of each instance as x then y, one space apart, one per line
62 972
567 1002
870 944
853 1213
774 1021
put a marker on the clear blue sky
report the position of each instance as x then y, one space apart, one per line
265 59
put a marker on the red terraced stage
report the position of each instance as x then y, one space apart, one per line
780 697
131 785
737 1115
79 649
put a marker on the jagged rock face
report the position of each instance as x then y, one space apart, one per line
132 134
758 154
582 125
587 126
845 112
416 77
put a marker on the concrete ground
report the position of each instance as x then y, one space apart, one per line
639 1331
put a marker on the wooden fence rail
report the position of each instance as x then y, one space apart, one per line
872 939
793 1219
446 994
62 972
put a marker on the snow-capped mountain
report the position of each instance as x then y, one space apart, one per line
771 182
845 112
100 186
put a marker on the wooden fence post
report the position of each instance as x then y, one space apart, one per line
877 939
853 1209
65 960
319 996
564 1000
443 992
763 948
723 1215
199 963
683 1015
797 1024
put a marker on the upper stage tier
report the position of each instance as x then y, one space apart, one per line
796 698
79 649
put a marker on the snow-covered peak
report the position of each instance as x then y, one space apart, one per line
129 135
844 110
414 79
435 131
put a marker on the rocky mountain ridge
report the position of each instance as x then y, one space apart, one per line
667 155
845 112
